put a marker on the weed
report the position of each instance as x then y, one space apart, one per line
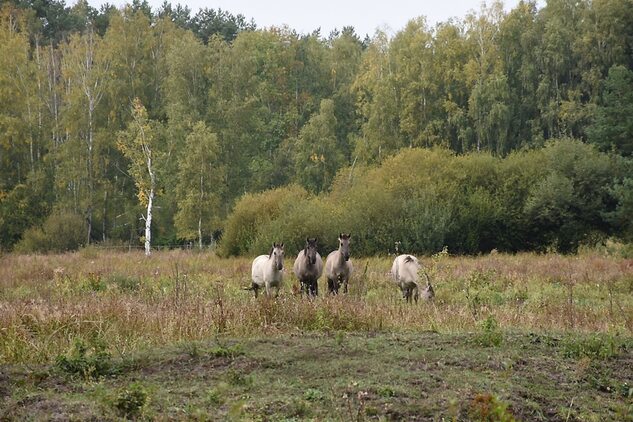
91 361
94 282
386 392
486 407
237 378
216 395
490 334
131 401
227 351
125 283
595 346
312 394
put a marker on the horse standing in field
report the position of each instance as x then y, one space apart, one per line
405 275
267 270
338 267
308 268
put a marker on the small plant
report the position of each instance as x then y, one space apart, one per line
215 396
486 407
125 283
596 346
312 394
237 378
490 335
132 400
94 282
231 352
89 362
386 392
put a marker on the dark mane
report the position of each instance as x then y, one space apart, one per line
409 258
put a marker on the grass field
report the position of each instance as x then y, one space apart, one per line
100 335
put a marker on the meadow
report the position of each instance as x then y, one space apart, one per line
107 335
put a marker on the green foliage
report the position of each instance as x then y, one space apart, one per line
488 408
491 334
132 400
62 231
612 129
596 346
90 360
243 229
275 107
313 394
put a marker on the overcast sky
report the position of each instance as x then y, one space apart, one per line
304 17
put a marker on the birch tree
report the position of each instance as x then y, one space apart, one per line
140 144
85 70
200 184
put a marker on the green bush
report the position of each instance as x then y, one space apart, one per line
597 346
252 211
558 197
61 232
87 361
131 401
490 334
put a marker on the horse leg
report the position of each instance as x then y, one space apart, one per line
416 294
330 285
345 286
256 290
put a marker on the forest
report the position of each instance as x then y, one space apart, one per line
498 130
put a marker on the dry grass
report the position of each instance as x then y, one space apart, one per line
133 302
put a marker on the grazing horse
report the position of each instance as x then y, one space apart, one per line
308 268
267 270
405 275
338 267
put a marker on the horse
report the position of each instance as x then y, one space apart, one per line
338 267
267 270
404 272
308 267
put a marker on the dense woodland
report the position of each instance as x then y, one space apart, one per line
509 131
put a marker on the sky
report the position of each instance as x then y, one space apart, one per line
304 17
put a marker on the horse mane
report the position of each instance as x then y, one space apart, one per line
409 258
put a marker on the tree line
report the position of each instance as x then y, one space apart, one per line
125 125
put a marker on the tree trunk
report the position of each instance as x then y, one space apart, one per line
200 233
148 223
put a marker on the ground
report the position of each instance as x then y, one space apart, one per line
336 376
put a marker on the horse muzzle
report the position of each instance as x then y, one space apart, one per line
346 257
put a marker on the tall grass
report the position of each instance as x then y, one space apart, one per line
129 301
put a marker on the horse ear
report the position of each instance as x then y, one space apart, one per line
281 245
349 235
340 235
307 240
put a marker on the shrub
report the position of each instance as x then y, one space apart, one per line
131 401
486 407
252 211
88 361
595 346
490 335
62 231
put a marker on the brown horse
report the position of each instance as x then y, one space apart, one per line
308 267
338 267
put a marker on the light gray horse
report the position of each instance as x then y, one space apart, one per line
338 267
267 270
308 268
405 272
